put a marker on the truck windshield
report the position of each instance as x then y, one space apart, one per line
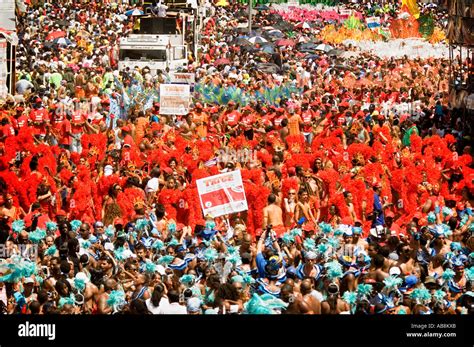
140 54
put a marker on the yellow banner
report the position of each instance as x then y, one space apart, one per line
412 7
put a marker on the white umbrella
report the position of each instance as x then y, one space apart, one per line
257 39
303 25
323 47
135 12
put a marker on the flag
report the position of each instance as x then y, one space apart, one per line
373 22
412 7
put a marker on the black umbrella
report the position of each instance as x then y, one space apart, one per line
250 49
335 52
311 56
268 68
268 49
262 8
306 46
63 23
275 17
240 41
275 34
283 26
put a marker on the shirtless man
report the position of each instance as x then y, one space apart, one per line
406 260
333 304
11 212
272 214
102 306
296 305
308 298
91 297
303 208
376 273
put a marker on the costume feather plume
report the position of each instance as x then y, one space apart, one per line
309 244
18 226
158 245
470 273
17 269
187 280
364 290
116 299
350 297
75 225
210 254
421 295
150 267
264 304
51 250
448 275
68 300
165 260
80 284
37 235
51 226
333 270
392 282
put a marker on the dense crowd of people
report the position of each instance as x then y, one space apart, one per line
358 178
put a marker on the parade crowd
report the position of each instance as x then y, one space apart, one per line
358 178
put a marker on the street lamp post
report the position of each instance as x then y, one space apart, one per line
250 17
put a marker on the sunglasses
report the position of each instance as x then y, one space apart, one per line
291 193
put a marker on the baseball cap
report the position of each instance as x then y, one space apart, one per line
430 280
411 280
28 280
395 271
390 214
98 224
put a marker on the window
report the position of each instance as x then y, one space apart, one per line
139 54
179 53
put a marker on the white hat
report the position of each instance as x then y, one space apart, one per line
160 269
108 170
109 246
28 280
395 271
311 255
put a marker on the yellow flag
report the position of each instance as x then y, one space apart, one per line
412 7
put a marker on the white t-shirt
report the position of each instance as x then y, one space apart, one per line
174 308
157 309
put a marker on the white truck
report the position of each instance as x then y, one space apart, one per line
157 52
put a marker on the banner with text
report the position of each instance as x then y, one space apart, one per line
174 99
3 69
222 194
182 78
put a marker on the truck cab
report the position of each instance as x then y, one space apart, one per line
159 44
157 52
